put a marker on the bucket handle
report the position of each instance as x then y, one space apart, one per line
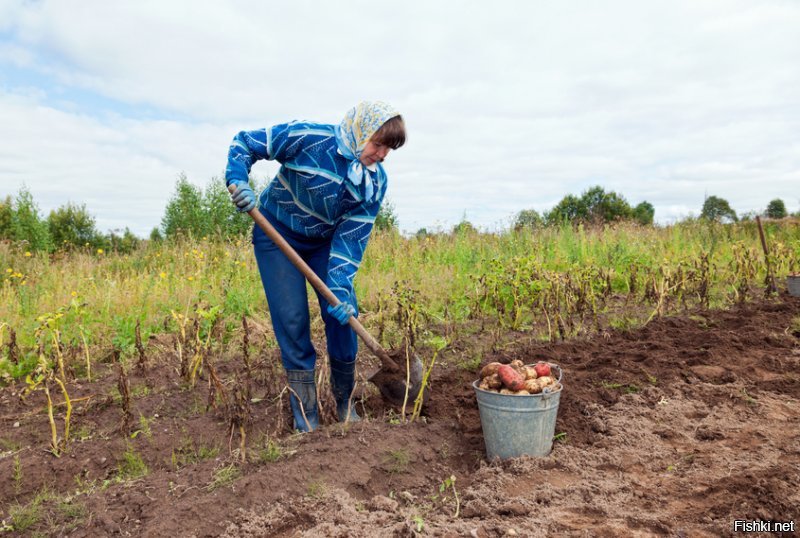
547 391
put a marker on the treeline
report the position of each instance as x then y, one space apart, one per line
199 212
68 227
190 211
596 206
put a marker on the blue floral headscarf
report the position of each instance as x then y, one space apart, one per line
352 135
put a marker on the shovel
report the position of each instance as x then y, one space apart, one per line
392 381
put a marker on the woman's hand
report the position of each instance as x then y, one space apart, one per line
243 198
342 312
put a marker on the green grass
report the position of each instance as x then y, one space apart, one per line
104 295
131 466
223 477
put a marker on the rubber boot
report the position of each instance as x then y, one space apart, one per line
342 382
303 385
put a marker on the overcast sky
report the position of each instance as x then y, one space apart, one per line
509 105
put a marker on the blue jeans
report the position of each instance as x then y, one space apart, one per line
285 287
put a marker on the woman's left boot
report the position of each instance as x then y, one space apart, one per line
342 382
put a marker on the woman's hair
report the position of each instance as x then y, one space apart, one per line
392 133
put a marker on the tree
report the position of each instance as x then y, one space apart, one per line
6 215
594 205
602 206
27 224
386 219
527 218
184 211
776 209
644 213
718 210
569 209
125 244
71 225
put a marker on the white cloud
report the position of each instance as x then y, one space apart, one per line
509 105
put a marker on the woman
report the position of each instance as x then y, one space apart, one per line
323 201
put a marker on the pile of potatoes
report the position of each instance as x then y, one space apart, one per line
516 378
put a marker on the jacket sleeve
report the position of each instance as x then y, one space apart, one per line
347 249
247 147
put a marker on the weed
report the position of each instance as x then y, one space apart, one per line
560 437
7 445
419 522
71 509
627 389
144 427
398 461
609 385
749 399
140 391
450 483
17 475
471 364
84 433
393 417
270 452
187 453
132 466
223 477
23 517
316 489
624 323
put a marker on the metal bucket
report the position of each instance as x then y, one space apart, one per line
793 283
516 426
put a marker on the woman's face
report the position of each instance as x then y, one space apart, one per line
374 152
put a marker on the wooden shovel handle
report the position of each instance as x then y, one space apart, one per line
318 284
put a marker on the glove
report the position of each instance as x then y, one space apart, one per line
243 198
342 312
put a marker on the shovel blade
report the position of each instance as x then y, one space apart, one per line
393 386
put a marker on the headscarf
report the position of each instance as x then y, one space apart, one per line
352 135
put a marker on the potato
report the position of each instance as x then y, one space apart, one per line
494 382
489 369
510 377
530 372
522 392
533 386
484 384
516 363
506 391
547 380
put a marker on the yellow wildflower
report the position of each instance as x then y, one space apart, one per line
163 274
74 293
23 282
99 250
191 278
27 253
9 270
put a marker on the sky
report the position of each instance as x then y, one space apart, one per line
509 105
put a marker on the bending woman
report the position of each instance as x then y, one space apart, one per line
323 201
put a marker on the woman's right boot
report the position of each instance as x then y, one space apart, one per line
304 391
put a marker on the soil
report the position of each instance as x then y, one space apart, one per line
676 429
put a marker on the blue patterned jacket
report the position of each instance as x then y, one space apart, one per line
311 193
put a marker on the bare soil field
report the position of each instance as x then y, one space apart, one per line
675 429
